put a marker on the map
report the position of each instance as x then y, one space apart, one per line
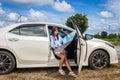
69 37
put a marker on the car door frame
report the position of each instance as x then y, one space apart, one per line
81 53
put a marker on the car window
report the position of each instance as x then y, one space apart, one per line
30 30
15 31
62 31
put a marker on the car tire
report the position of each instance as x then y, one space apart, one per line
7 62
99 59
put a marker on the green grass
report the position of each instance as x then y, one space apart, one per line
115 41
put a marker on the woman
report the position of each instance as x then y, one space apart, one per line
56 43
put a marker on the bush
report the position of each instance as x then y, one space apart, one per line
112 36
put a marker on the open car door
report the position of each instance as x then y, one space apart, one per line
81 46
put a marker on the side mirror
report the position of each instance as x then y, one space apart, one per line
88 37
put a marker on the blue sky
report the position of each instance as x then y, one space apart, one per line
102 14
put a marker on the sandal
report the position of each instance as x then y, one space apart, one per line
61 72
72 74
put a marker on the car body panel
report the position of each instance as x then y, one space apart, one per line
93 45
29 48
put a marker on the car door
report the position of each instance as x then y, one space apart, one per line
81 47
30 43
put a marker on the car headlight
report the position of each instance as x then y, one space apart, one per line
111 45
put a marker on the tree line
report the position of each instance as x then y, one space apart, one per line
105 34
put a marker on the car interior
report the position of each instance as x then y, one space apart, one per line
71 49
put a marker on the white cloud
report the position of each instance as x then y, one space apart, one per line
63 6
13 16
24 18
36 15
114 7
109 20
32 2
9 17
33 15
1 10
106 14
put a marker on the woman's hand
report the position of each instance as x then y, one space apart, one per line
56 47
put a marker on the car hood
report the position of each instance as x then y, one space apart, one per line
100 40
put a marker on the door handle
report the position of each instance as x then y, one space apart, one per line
13 39
82 44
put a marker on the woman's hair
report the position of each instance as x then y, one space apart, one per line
53 30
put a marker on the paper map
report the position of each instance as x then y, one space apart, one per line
68 38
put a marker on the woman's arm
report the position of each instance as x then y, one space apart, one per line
52 41
61 39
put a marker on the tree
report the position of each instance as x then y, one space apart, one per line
97 35
82 21
104 34
112 36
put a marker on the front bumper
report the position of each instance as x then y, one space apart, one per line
113 56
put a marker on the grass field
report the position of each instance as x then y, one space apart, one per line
115 41
109 73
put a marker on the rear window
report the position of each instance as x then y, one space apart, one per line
30 30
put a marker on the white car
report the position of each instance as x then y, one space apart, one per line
26 45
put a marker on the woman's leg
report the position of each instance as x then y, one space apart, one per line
71 73
61 60
67 63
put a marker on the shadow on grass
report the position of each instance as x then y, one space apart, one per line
49 70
